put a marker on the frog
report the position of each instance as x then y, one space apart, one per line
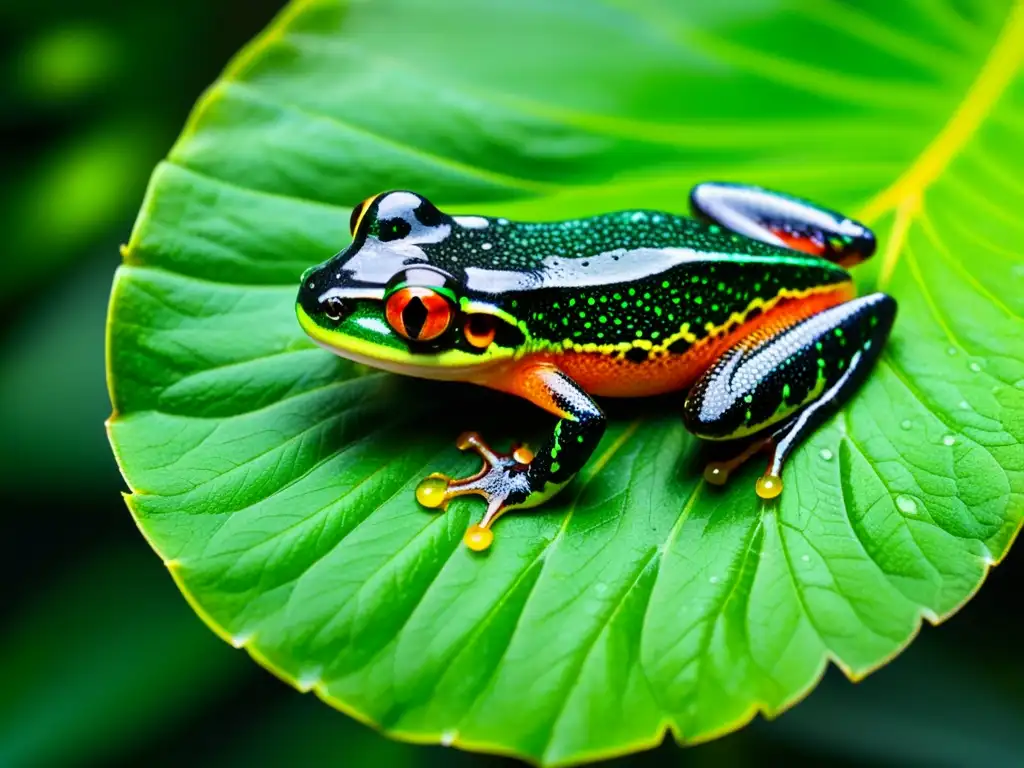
746 307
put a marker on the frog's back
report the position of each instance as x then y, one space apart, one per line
510 245
639 302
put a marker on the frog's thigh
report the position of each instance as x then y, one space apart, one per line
790 377
783 220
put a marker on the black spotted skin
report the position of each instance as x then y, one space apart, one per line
696 299
606 280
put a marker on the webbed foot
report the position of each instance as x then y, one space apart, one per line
501 481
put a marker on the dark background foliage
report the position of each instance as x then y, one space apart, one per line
101 659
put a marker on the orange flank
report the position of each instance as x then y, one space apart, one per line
613 375
800 242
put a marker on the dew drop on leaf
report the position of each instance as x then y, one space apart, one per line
948 440
826 454
906 424
906 505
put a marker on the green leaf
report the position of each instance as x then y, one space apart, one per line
276 481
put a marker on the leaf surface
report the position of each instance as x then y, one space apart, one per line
276 480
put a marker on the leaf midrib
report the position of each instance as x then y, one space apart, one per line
906 193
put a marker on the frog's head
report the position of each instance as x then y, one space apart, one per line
386 300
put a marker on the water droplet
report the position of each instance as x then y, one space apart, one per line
600 587
1019 384
713 579
309 679
806 558
975 367
906 424
951 351
906 505
948 440
826 454
965 405
447 738
241 639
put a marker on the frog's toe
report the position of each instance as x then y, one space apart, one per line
471 441
769 485
500 481
718 472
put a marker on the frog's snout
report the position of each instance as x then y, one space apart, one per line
311 287
315 300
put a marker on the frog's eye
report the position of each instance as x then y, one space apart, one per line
480 330
418 313
358 212
420 302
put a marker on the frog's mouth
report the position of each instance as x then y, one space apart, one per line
364 336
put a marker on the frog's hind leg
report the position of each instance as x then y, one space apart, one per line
783 220
781 382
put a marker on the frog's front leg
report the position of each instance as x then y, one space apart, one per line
521 479
784 379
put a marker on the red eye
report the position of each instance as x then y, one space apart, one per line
418 314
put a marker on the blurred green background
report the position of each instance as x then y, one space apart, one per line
101 660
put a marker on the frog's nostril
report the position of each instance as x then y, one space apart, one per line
318 296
